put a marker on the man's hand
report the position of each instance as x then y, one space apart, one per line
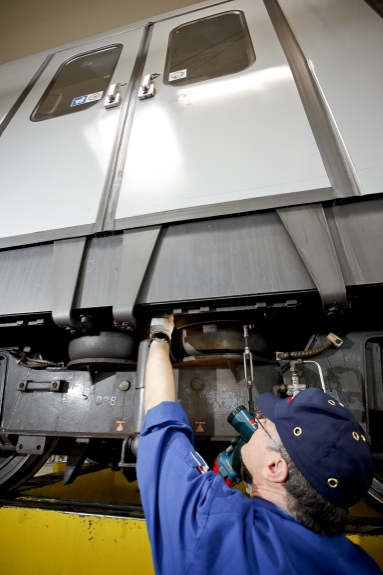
164 324
159 380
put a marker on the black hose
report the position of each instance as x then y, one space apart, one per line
306 353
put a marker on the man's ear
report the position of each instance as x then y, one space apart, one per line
275 469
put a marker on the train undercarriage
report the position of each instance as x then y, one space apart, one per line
72 381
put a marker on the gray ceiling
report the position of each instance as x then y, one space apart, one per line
27 27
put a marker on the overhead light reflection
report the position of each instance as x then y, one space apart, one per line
251 82
99 134
154 137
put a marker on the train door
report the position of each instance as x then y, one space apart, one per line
55 151
225 130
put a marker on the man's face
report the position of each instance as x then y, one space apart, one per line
255 453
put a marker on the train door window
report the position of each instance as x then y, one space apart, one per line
208 48
79 83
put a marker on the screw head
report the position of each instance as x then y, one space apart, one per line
196 384
54 384
124 385
21 385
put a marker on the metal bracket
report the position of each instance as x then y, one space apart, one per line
67 260
5 443
137 250
304 223
27 385
30 444
76 457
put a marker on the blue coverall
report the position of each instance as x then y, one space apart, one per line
199 526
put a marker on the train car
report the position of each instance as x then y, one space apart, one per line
222 163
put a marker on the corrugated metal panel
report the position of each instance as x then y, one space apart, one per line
222 258
26 279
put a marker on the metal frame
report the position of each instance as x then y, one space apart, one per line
335 157
318 254
226 208
109 198
137 250
68 255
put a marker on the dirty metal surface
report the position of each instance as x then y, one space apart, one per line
84 405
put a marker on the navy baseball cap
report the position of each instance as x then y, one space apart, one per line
324 441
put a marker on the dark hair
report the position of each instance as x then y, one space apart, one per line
304 503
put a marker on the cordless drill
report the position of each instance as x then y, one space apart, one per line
228 462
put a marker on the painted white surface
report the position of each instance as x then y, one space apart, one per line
15 77
240 136
52 172
344 40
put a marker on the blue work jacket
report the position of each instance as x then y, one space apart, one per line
199 526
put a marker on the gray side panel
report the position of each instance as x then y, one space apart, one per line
223 258
26 279
357 232
229 257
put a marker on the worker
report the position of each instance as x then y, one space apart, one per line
307 462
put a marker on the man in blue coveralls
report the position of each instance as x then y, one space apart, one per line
305 465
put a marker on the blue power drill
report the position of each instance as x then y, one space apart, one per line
228 462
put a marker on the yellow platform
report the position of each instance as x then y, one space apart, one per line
40 541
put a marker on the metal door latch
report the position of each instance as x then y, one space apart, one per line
113 96
147 90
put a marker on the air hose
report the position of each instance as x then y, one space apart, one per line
331 339
33 363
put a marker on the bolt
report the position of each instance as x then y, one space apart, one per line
196 384
21 446
21 385
86 321
124 385
54 384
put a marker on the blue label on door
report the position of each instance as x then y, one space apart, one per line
78 100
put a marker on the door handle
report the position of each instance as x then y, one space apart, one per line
147 89
113 96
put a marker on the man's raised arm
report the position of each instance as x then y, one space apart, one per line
159 380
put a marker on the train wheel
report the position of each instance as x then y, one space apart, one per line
17 469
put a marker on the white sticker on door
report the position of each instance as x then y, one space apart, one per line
177 75
78 100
